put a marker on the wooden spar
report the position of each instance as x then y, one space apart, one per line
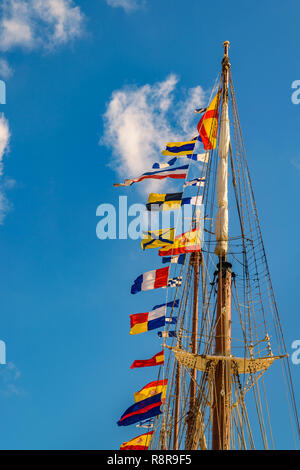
222 383
177 408
177 404
195 326
191 417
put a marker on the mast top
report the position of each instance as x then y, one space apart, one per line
225 60
226 47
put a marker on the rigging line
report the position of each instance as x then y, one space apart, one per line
194 209
212 130
292 395
203 324
243 408
252 201
268 414
182 298
238 412
236 195
248 287
286 389
245 266
210 175
204 164
195 206
260 414
239 424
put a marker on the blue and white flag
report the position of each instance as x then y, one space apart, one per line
148 424
165 165
200 110
179 259
194 200
199 157
172 304
171 321
195 182
167 334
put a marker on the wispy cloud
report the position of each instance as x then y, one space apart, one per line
32 24
128 5
9 375
4 146
5 69
140 120
4 139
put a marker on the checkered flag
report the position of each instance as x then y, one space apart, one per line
175 281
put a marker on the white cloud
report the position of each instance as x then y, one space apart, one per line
194 98
15 25
140 120
9 375
4 138
5 70
128 5
39 23
32 24
4 144
62 16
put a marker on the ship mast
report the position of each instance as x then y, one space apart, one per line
221 412
214 369
190 441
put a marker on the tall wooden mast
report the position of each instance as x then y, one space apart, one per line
195 257
229 366
222 380
177 401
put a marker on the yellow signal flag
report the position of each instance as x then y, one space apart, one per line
208 124
153 388
185 243
158 238
138 443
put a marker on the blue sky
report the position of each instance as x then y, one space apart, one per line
65 294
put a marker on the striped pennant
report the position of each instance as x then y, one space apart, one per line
179 172
179 259
200 182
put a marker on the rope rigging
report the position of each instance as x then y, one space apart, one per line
195 416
